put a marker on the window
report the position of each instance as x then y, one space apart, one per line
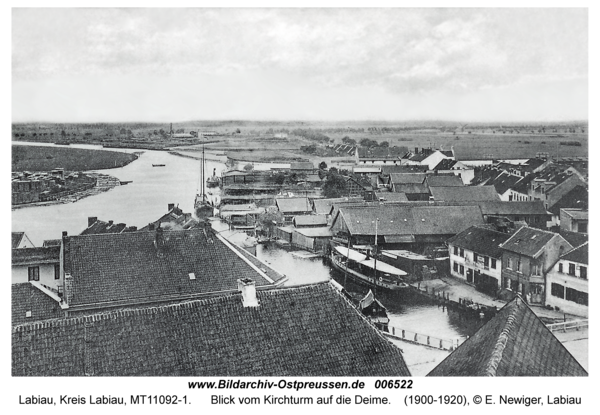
493 263
536 270
557 290
455 267
56 271
572 269
486 261
34 273
462 270
583 272
519 264
474 257
456 250
509 264
560 267
462 252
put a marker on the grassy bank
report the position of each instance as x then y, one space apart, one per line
32 158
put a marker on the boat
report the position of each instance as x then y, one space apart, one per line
213 181
367 270
158 165
124 182
376 312
202 206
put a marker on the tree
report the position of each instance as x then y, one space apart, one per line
249 167
269 220
280 178
323 165
62 133
347 140
237 131
384 144
335 185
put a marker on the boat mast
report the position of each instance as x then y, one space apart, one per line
375 253
202 175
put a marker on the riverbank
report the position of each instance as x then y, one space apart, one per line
104 183
46 158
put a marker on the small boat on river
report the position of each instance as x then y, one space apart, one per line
367 270
158 165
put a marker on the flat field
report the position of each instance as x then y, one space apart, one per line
34 158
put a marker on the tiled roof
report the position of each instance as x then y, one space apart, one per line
514 343
407 178
445 164
504 181
528 241
411 188
99 227
300 331
16 238
381 153
128 267
577 214
31 256
403 169
51 242
298 204
391 196
410 220
579 254
467 193
534 207
434 180
26 297
310 220
480 240
574 238
578 197
323 206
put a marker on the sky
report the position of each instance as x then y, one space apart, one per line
161 65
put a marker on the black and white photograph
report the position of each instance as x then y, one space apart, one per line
309 207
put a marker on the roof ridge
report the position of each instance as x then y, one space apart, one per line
502 341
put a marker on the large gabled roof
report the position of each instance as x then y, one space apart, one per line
16 238
529 241
324 206
533 207
514 343
410 220
308 330
407 178
33 256
128 267
434 180
296 204
579 254
32 302
464 193
480 240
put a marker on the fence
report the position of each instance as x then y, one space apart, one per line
568 325
461 304
424 339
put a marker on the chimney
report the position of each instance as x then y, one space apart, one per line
110 223
92 220
68 290
159 240
248 289
170 206
416 150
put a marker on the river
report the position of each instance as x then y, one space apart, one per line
153 188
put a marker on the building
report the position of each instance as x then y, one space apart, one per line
465 193
527 257
455 167
476 257
20 240
574 220
96 226
108 271
293 206
427 157
513 343
37 264
32 301
533 212
439 180
311 330
567 282
403 227
379 155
